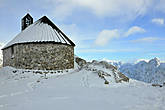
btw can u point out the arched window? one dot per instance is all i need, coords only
(12, 52)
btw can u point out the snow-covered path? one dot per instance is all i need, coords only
(75, 91)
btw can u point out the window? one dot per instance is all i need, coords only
(12, 52)
(27, 22)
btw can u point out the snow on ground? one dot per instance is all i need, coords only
(74, 90)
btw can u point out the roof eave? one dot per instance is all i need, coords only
(38, 42)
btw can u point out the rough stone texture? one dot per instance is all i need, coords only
(44, 56)
(81, 62)
(123, 77)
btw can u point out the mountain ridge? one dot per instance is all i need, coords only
(149, 71)
(152, 71)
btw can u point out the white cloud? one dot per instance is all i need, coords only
(159, 21)
(116, 7)
(146, 39)
(105, 36)
(62, 8)
(128, 9)
(134, 30)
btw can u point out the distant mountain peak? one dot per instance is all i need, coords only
(155, 61)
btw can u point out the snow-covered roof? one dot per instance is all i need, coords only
(43, 30)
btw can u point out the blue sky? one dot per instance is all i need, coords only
(122, 30)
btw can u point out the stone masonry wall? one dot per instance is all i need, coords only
(44, 56)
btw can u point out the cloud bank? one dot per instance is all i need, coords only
(128, 9)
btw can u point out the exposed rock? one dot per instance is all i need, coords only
(81, 62)
(103, 63)
(157, 85)
(123, 77)
(103, 69)
(106, 82)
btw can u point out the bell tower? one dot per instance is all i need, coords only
(26, 21)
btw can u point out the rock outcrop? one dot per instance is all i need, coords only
(105, 71)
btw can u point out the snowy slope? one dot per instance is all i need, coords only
(151, 72)
(77, 89)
